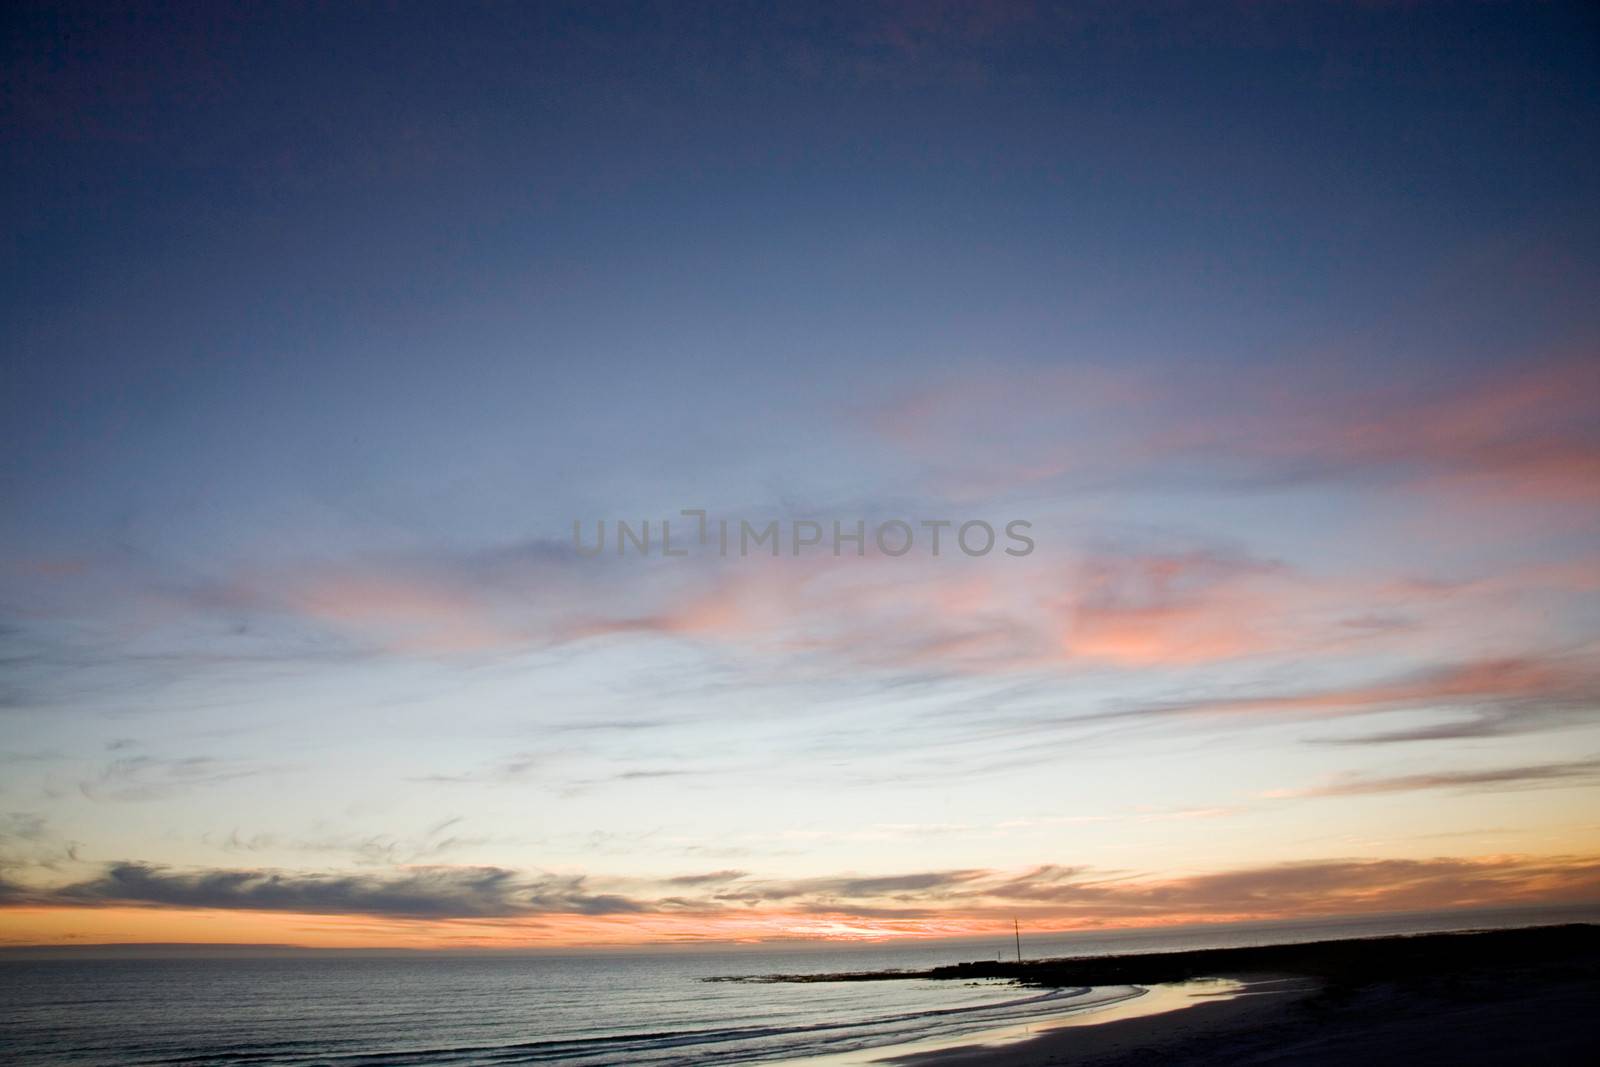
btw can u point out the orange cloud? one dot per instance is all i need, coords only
(462, 907)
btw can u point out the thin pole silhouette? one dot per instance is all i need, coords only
(1017, 930)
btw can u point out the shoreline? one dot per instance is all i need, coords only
(1466, 998)
(1548, 1023)
(1147, 1009)
(1167, 1015)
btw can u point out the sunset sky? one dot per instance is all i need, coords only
(1280, 324)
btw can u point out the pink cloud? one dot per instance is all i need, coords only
(1130, 611)
(402, 613)
(1525, 433)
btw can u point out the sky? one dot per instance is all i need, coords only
(325, 329)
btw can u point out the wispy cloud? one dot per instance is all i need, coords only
(135, 778)
(1179, 605)
(1524, 433)
(371, 850)
(1502, 696)
(708, 878)
(516, 769)
(1538, 774)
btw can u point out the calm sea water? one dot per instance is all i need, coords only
(640, 1009)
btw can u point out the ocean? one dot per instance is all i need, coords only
(651, 1008)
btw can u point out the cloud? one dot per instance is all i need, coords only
(21, 826)
(1524, 432)
(371, 850)
(1156, 602)
(26, 843)
(418, 893)
(135, 778)
(1502, 695)
(945, 901)
(516, 769)
(1319, 887)
(440, 603)
(922, 885)
(548, 770)
(709, 878)
(1496, 777)
(1174, 606)
(1175, 609)
(1126, 609)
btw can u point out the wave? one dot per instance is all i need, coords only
(721, 1044)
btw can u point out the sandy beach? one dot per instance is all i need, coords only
(1523, 997)
(1539, 1023)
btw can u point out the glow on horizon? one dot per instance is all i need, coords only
(898, 908)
